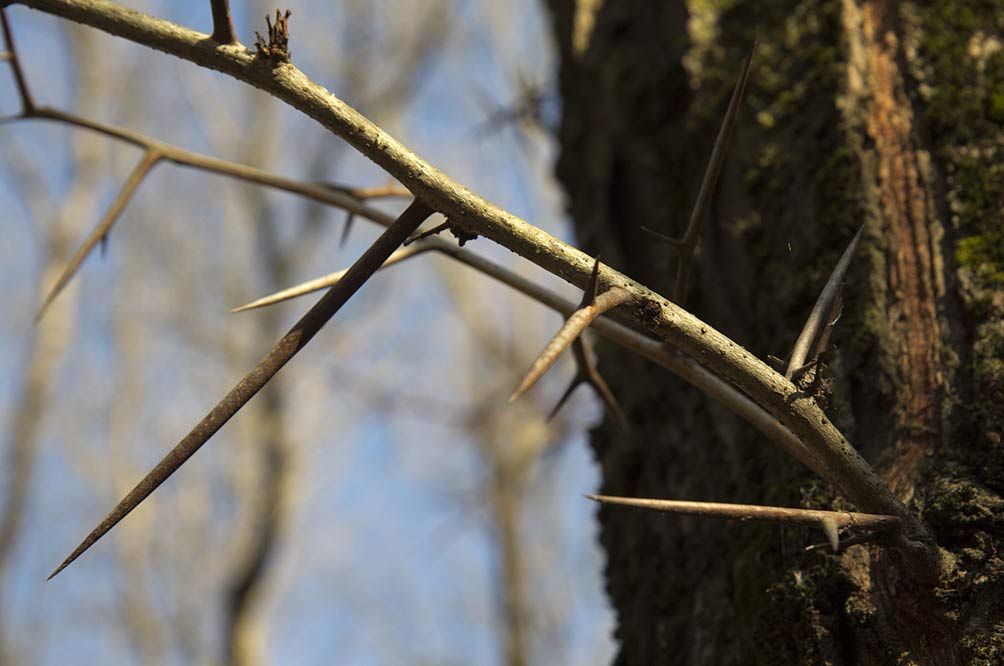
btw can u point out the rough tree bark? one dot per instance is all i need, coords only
(857, 111)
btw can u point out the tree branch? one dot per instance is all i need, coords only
(100, 232)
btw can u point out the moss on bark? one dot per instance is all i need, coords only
(804, 170)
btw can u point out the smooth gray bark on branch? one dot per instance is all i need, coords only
(465, 209)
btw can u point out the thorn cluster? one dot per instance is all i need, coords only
(569, 334)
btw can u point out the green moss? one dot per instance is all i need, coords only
(986, 253)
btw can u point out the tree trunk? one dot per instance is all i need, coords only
(883, 113)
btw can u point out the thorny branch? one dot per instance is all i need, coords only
(284, 350)
(829, 453)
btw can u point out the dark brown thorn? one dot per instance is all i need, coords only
(328, 280)
(589, 292)
(349, 219)
(663, 237)
(438, 229)
(822, 307)
(223, 25)
(104, 227)
(693, 233)
(27, 102)
(591, 375)
(814, 517)
(291, 343)
(572, 385)
(589, 309)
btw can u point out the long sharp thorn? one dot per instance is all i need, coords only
(595, 380)
(813, 517)
(711, 174)
(822, 307)
(100, 232)
(328, 280)
(291, 343)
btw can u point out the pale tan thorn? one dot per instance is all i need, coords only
(104, 227)
(328, 280)
(813, 517)
(829, 526)
(822, 307)
(566, 335)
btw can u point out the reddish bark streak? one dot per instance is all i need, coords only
(904, 197)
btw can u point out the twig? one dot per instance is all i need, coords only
(27, 103)
(100, 232)
(367, 193)
(321, 193)
(291, 343)
(689, 242)
(822, 307)
(223, 25)
(829, 521)
(591, 307)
